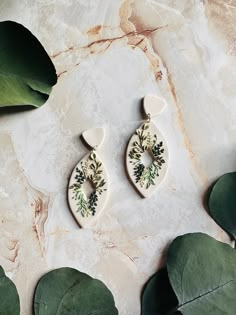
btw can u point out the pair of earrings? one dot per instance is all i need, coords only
(146, 140)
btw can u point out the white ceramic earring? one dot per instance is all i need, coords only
(147, 139)
(90, 169)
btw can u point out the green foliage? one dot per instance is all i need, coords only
(157, 151)
(202, 275)
(26, 71)
(93, 202)
(149, 175)
(96, 173)
(81, 199)
(145, 176)
(139, 168)
(80, 177)
(222, 203)
(158, 296)
(90, 170)
(9, 299)
(67, 291)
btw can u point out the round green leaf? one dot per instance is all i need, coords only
(222, 203)
(26, 71)
(67, 291)
(9, 299)
(158, 296)
(202, 273)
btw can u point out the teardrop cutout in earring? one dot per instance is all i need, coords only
(147, 140)
(90, 170)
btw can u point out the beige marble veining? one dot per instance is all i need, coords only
(108, 55)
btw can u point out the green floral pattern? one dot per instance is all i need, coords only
(145, 141)
(91, 170)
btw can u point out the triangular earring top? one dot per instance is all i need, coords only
(153, 105)
(94, 137)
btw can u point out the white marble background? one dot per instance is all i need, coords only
(108, 55)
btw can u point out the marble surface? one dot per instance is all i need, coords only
(108, 55)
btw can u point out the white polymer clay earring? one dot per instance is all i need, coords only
(85, 207)
(147, 140)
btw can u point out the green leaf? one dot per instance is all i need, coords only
(202, 273)
(222, 203)
(9, 299)
(67, 291)
(26, 71)
(158, 296)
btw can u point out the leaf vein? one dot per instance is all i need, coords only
(205, 294)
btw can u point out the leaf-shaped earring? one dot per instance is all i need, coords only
(148, 141)
(90, 171)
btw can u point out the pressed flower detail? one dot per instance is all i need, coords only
(146, 141)
(91, 170)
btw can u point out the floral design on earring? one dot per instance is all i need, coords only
(147, 139)
(92, 171)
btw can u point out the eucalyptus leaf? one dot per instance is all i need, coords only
(222, 203)
(26, 72)
(202, 273)
(9, 299)
(158, 296)
(67, 291)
